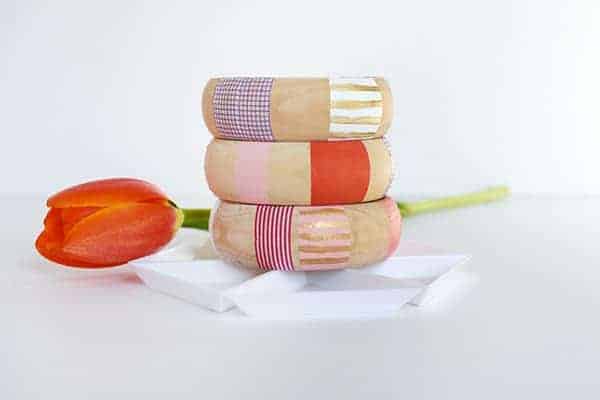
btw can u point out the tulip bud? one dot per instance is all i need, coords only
(107, 222)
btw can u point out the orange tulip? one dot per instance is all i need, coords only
(107, 222)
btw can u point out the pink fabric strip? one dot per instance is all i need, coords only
(251, 172)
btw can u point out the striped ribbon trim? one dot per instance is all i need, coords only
(273, 237)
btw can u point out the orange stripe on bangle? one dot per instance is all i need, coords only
(339, 172)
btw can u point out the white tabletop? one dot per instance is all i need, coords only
(529, 328)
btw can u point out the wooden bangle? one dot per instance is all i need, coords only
(297, 109)
(305, 238)
(309, 173)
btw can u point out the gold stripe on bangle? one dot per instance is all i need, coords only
(353, 134)
(354, 104)
(324, 249)
(325, 236)
(324, 260)
(340, 224)
(354, 88)
(356, 120)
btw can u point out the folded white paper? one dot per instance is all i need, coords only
(410, 276)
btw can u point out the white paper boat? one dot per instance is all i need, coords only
(412, 276)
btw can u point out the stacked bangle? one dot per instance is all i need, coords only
(305, 238)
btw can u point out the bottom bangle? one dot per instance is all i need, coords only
(305, 238)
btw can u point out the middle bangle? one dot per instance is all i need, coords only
(299, 173)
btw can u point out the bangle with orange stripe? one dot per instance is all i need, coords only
(269, 109)
(309, 173)
(305, 238)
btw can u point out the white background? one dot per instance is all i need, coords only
(485, 92)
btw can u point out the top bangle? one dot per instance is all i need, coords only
(297, 109)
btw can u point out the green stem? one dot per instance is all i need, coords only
(198, 217)
(445, 203)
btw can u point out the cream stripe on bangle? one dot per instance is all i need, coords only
(357, 112)
(356, 108)
(340, 94)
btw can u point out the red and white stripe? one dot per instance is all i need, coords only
(273, 237)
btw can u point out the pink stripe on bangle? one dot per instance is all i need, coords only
(251, 172)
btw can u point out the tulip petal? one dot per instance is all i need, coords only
(72, 215)
(49, 242)
(53, 224)
(118, 234)
(107, 192)
(51, 248)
